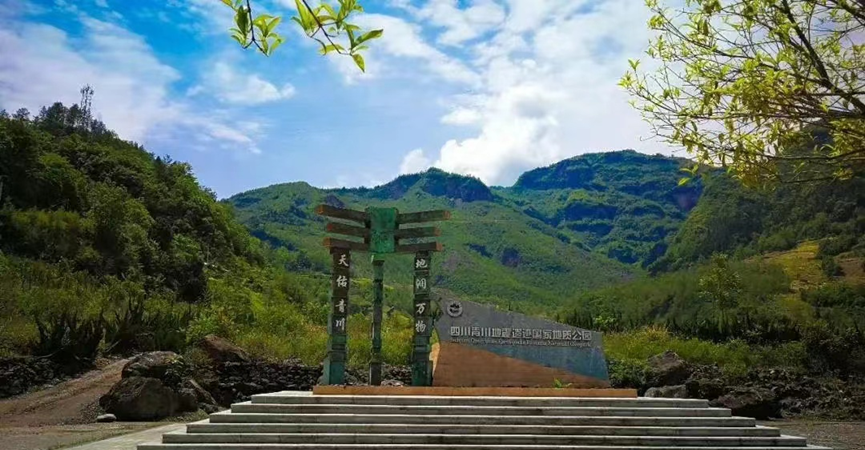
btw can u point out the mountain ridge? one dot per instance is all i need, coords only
(505, 242)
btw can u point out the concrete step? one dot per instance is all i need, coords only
(597, 420)
(164, 446)
(248, 407)
(288, 397)
(459, 428)
(481, 439)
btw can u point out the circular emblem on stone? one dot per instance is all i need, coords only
(454, 308)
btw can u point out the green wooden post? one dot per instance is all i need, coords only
(377, 302)
(421, 366)
(334, 363)
(382, 241)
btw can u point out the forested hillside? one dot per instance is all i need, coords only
(583, 223)
(574, 237)
(493, 251)
(106, 248)
(623, 204)
(733, 219)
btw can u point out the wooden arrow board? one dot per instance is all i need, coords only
(340, 213)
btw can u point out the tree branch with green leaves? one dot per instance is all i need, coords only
(747, 84)
(328, 26)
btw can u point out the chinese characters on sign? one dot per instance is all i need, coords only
(520, 336)
(521, 333)
(336, 346)
(422, 320)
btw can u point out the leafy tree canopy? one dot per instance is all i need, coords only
(740, 83)
(328, 26)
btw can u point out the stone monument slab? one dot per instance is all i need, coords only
(480, 345)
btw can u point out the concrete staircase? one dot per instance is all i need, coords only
(299, 420)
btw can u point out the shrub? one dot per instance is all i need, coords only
(68, 340)
(627, 373)
(734, 357)
(837, 245)
(154, 324)
(841, 351)
(829, 266)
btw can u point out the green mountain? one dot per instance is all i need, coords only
(735, 220)
(106, 248)
(583, 223)
(621, 204)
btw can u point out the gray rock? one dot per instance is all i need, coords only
(106, 418)
(153, 365)
(392, 383)
(140, 398)
(668, 369)
(201, 394)
(221, 350)
(186, 400)
(678, 391)
(755, 402)
(209, 409)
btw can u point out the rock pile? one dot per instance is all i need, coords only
(18, 375)
(154, 386)
(762, 393)
(231, 382)
(390, 376)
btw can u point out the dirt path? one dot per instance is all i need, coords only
(62, 415)
(837, 435)
(71, 402)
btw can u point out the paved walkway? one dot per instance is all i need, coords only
(130, 441)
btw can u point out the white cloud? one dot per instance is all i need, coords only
(414, 162)
(231, 85)
(549, 88)
(462, 116)
(218, 17)
(461, 24)
(101, 3)
(403, 41)
(133, 88)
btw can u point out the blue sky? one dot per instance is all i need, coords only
(489, 88)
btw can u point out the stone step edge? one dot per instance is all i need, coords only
(504, 410)
(779, 437)
(363, 405)
(389, 399)
(387, 436)
(161, 446)
(207, 423)
(596, 418)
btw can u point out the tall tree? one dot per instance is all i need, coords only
(744, 83)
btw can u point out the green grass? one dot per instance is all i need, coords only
(732, 357)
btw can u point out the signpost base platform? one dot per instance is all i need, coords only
(474, 391)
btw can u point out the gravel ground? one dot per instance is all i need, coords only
(838, 435)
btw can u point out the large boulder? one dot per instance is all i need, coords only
(755, 402)
(186, 400)
(221, 350)
(201, 394)
(708, 382)
(164, 366)
(678, 391)
(140, 398)
(668, 369)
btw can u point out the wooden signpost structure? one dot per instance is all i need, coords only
(382, 235)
